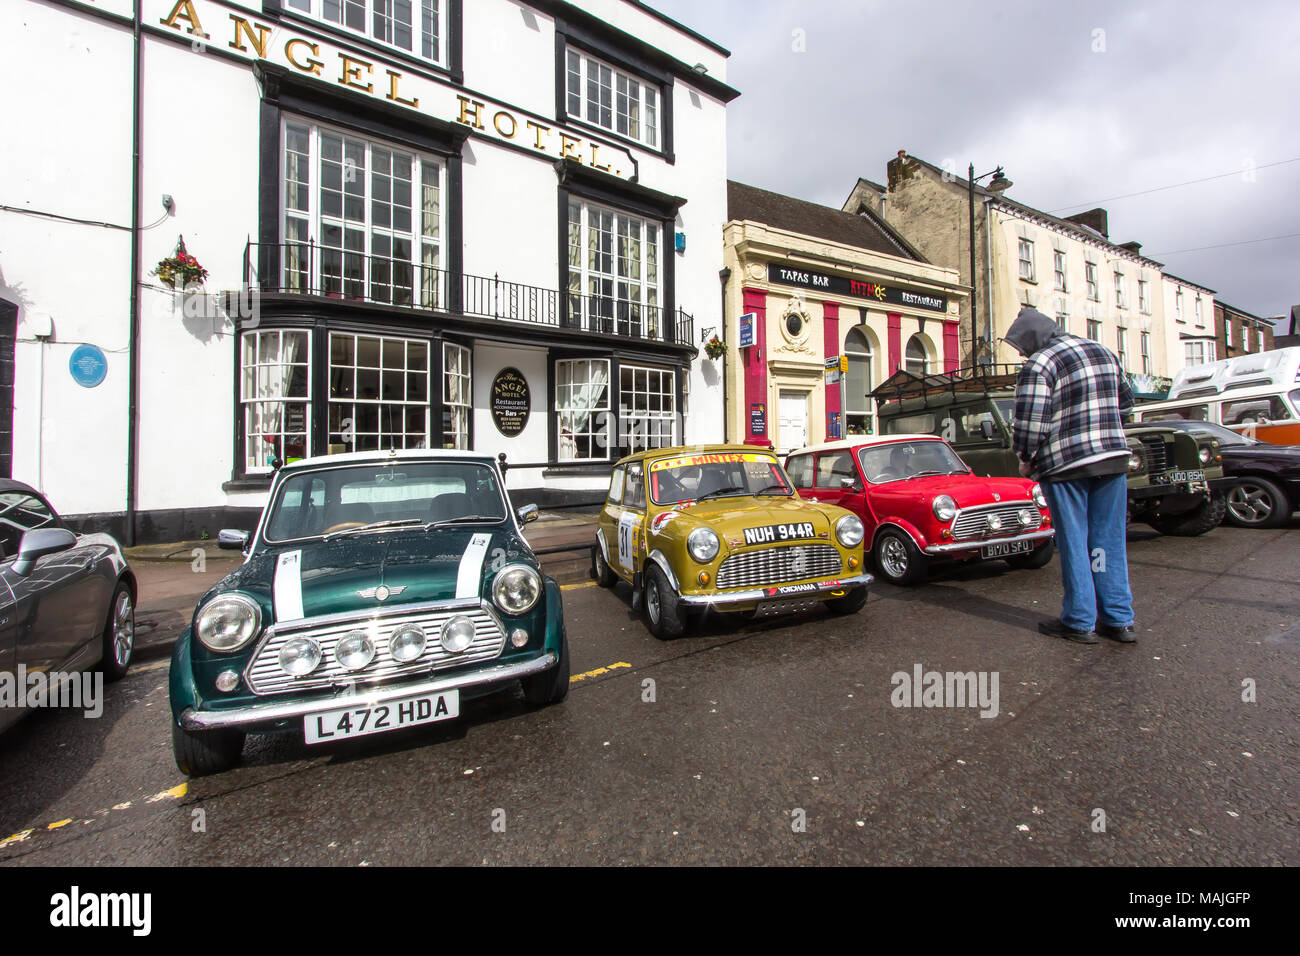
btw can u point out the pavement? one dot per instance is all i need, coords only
(771, 743)
(172, 576)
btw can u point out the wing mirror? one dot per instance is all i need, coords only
(528, 514)
(37, 544)
(229, 539)
(849, 484)
(988, 429)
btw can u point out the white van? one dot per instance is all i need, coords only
(1257, 395)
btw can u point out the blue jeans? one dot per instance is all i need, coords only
(1090, 516)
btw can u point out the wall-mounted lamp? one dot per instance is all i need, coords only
(168, 203)
(679, 242)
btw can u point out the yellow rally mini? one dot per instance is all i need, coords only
(721, 527)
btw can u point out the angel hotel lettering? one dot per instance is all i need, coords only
(319, 59)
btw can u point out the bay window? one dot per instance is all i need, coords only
(378, 392)
(361, 219)
(456, 403)
(607, 97)
(582, 407)
(415, 26)
(614, 271)
(275, 397)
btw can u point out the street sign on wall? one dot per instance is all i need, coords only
(747, 329)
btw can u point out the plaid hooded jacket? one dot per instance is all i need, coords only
(1070, 397)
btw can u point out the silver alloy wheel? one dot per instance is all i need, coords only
(893, 556)
(652, 601)
(123, 629)
(1251, 504)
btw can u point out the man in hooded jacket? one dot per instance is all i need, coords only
(1069, 434)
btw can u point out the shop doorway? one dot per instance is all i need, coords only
(793, 421)
(8, 333)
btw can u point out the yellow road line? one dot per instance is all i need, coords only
(156, 665)
(174, 793)
(597, 672)
(584, 584)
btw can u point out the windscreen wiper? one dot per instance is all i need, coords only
(466, 519)
(373, 526)
(722, 492)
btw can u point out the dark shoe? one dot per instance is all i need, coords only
(1054, 628)
(1125, 634)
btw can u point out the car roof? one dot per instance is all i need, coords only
(677, 450)
(855, 441)
(379, 457)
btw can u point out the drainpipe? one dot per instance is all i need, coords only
(988, 281)
(725, 276)
(133, 349)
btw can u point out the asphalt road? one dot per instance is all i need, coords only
(753, 731)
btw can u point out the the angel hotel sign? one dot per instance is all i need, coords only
(204, 24)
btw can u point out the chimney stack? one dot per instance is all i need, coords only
(1094, 219)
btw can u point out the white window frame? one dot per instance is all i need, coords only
(855, 341)
(1144, 297)
(1144, 343)
(361, 271)
(423, 15)
(1090, 281)
(355, 400)
(457, 394)
(1178, 306)
(1200, 316)
(1058, 268)
(623, 103)
(1094, 325)
(605, 300)
(268, 389)
(1121, 300)
(1026, 253)
(634, 436)
(567, 403)
(907, 360)
(1121, 339)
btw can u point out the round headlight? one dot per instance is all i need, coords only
(516, 589)
(1134, 462)
(407, 643)
(299, 656)
(945, 509)
(1036, 493)
(1026, 517)
(1205, 455)
(703, 545)
(355, 650)
(849, 531)
(228, 622)
(457, 634)
(995, 522)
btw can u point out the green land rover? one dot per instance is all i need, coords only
(1175, 479)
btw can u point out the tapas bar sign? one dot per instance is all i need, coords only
(511, 402)
(855, 288)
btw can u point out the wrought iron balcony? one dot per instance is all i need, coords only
(296, 268)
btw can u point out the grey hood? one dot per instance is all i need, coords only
(1030, 332)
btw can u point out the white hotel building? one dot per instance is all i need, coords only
(485, 224)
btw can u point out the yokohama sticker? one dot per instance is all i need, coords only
(799, 588)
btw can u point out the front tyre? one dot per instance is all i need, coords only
(851, 603)
(552, 686)
(1036, 559)
(1206, 516)
(207, 751)
(1257, 503)
(119, 634)
(663, 610)
(898, 559)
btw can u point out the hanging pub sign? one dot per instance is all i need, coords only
(510, 402)
(856, 288)
(746, 330)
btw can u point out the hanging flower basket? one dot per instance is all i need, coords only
(715, 348)
(180, 270)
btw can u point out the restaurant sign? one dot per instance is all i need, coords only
(511, 402)
(855, 288)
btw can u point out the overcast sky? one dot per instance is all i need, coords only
(1079, 102)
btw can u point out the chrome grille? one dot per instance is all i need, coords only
(973, 522)
(264, 675)
(1157, 453)
(779, 565)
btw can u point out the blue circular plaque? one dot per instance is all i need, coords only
(88, 365)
